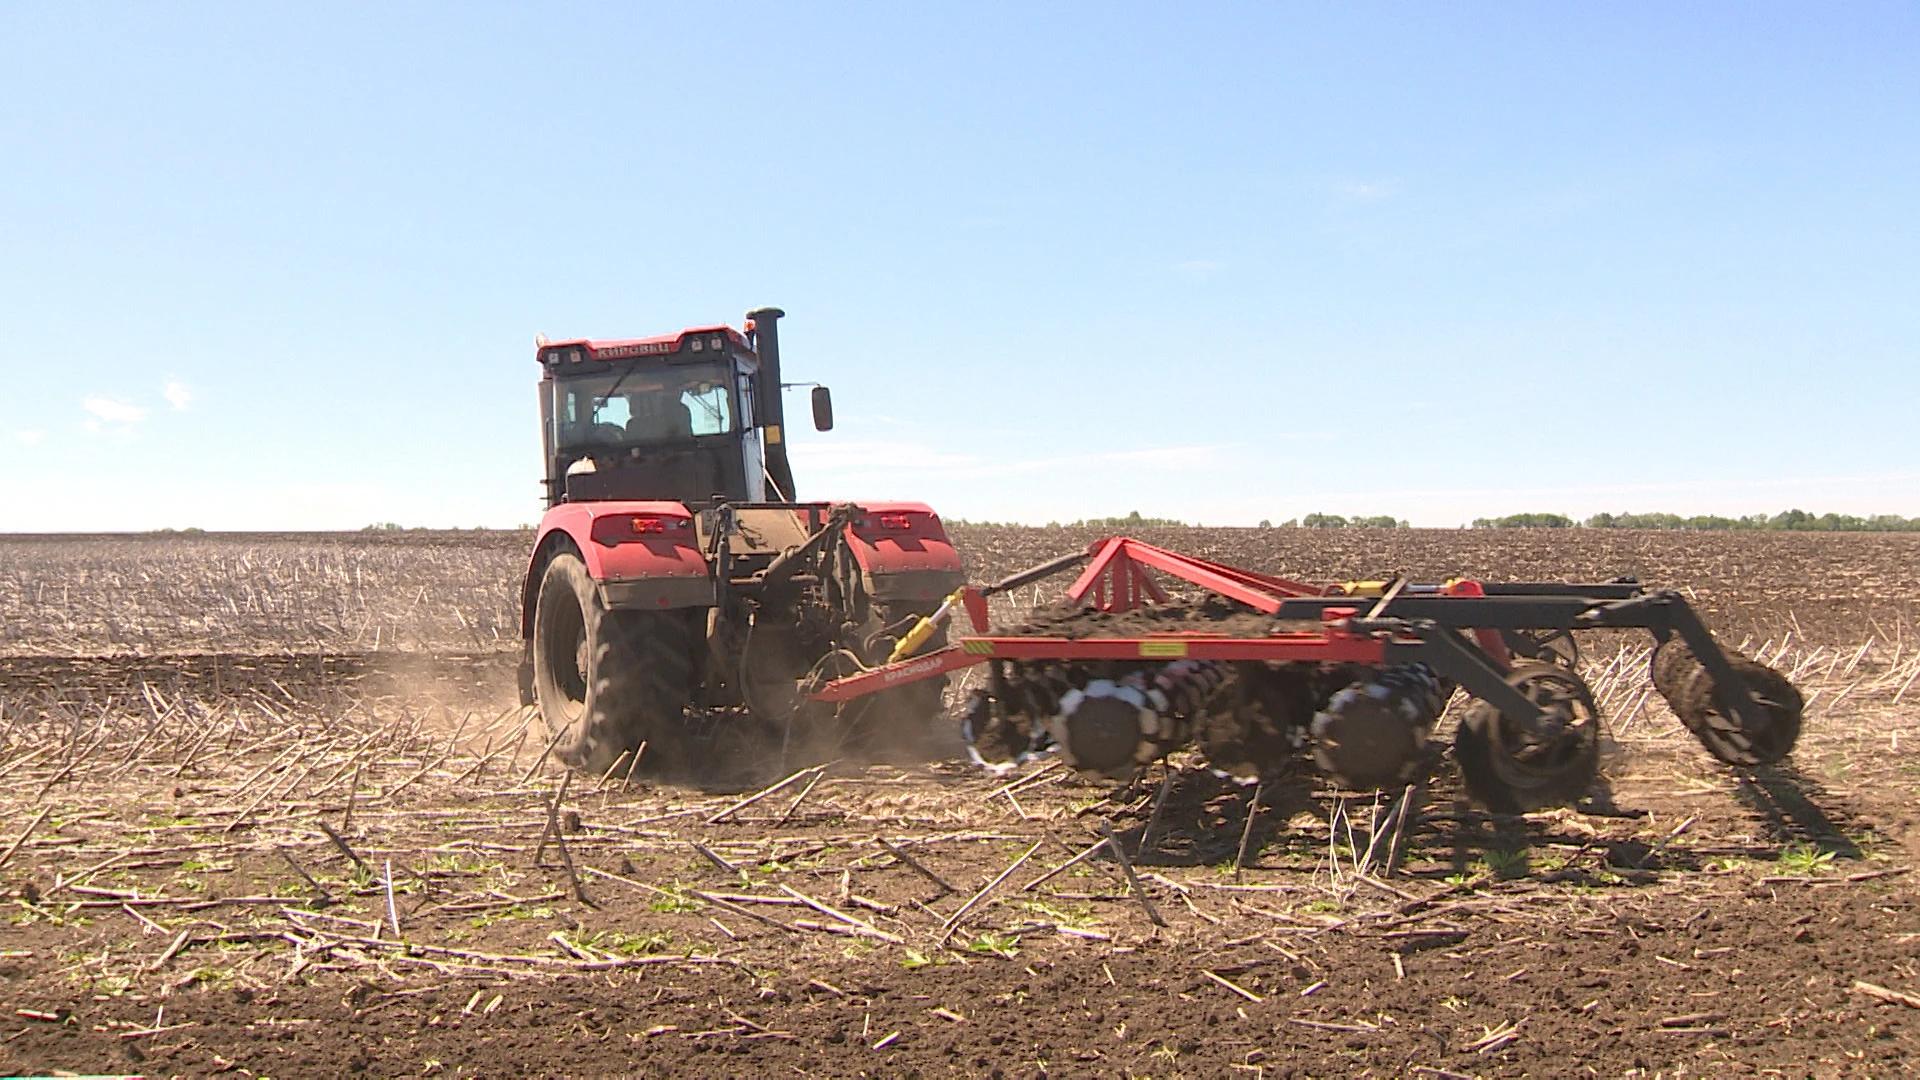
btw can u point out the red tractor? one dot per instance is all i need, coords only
(678, 589)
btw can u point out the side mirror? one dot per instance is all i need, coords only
(822, 409)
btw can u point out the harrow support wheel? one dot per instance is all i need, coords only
(1513, 768)
(1550, 647)
(606, 680)
(1690, 692)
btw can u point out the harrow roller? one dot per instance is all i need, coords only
(1717, 721)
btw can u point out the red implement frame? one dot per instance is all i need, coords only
(1332, 647)
(1118, 581)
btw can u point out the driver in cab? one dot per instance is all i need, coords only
(656, 418)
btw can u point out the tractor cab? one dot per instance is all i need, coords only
(680, 417)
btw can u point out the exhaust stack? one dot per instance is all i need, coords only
(772, 416)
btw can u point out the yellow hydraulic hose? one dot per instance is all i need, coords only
(925, 628)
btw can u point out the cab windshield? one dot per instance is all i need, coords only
(650, 404)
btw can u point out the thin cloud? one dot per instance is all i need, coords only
(114, 412)
(1367, 191)
(1777, 486)
(892, 458)
(29, 437)
(178, 395)
(880, 455)
(106, 414)
(1166, 457)
(1199, 266)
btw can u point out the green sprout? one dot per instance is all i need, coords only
(674, 900)
(1505, 865)
(1805, 859)
(1002, 945)
(614, 941)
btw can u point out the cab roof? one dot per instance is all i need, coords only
(696, 339)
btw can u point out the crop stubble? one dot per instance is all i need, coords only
(200, 718)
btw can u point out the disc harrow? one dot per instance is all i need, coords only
(1353, 674)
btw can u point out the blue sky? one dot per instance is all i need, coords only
(271, 266)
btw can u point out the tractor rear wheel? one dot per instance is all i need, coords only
(606, 680)
(1515, 768)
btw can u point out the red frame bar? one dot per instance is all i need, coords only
(1490, 640)
(912, 669)
(1334, 648)
(1309, 647)
(1117, 580)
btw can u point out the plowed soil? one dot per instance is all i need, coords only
(171, 780)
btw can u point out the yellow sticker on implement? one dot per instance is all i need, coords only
(976, 647)
(1163, 648)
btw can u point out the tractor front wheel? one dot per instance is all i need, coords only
(606, 680)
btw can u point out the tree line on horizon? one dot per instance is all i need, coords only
(1784, 521)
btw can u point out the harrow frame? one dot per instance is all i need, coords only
(1465, 631)
(1360, 671)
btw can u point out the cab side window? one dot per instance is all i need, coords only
(709, 407)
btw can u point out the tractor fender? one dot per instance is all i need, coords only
(903, 553)
(657, 569)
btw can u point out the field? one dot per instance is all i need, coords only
(268, 807)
